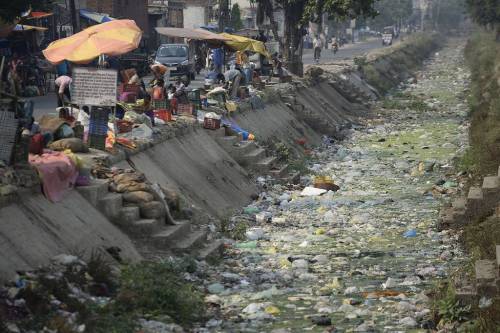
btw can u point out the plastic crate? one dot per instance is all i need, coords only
(211, 123)
(97, 141)
(98, 124)
(163, 114)
(185, 109)
(194, 97)
(160, 104)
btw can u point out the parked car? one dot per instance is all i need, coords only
(179, 58)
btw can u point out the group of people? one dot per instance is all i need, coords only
(157, 88)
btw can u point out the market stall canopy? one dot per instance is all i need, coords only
(24, 27)
(198, 34)
(96, 17)
(111, 38)
(38, 15)
(240, 43)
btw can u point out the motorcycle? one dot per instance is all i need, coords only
(335, 48)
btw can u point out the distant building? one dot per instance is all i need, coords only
(136, 10)
(196, 13)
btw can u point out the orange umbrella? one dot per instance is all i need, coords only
(111, 38)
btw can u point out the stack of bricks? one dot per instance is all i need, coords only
(480, 202)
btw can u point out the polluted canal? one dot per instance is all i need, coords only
(362, 258)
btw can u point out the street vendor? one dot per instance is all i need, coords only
(62, 84)
(160, 72)
(233, 78)
(180, 93)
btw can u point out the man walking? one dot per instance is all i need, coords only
(318, 45)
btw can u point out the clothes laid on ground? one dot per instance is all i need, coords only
(57, 171)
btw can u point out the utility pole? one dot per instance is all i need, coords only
(72, 9)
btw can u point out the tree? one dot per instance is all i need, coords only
(391, 12)
(223, 14)
(265, 8)
(299, 12)
(337, 10)
(236, 22)
(447, 14)
(486, 13)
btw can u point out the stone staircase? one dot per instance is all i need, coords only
(254, 158)
(151, 236)
(480, 202)
(486, 283)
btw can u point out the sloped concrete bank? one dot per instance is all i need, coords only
(388, 67)
(214, 173)
(33, 230)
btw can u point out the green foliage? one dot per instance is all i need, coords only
(448, 14)
(445, 306)
(157, 289)
(451, 311)
(282, 151)
(106, 320)
(360, 61)
(391, 12)
(338, 9)
(483, 57)
(485, 12)
(236, 22)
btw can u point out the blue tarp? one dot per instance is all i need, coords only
(96, 17)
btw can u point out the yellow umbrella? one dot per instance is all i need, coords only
(111, 38)
(240, 43)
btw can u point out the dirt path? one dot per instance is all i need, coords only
(362, 258)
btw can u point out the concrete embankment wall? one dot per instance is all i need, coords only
(386, 68)
(33, 230)
(197, 167)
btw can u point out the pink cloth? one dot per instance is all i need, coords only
(57, 172)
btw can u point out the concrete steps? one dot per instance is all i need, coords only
(95, 191)
(212, 251)
(251, 158)
(266, 164)
(486, 282)
(110, 205)
(279, 172)
(152, 235)
(129, 214)
(143, 228)
(189, 243)
(171, 233)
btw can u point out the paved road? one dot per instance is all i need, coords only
(47, 104)
(348, 51)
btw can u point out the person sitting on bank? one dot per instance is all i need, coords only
(62, 84)
(180, 92)
(233, 78)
